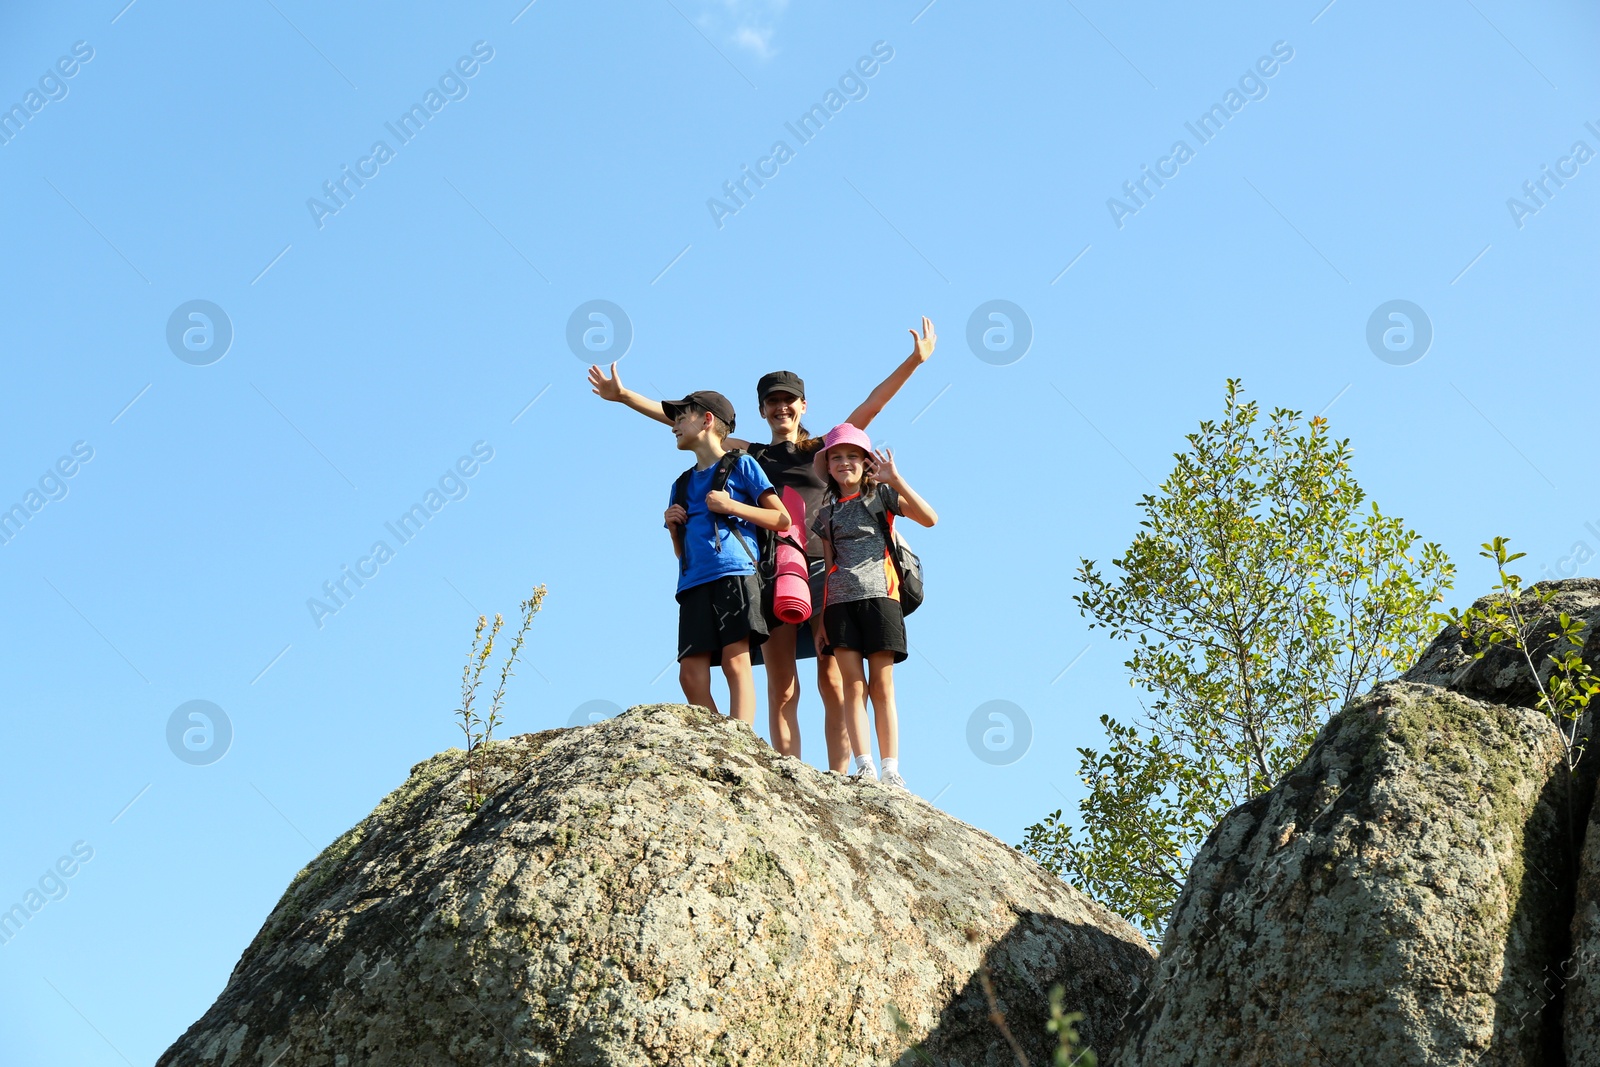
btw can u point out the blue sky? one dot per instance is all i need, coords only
(374, 347)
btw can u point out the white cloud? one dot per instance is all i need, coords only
(750, 24)
(756, 40)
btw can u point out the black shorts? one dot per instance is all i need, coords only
(819, 581)
(718, 613)
(867, 626)
(805, 647)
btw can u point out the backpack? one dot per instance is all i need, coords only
(765, 555)
(906, 564)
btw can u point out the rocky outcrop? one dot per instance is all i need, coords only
(1395, 900)
(1502, 675)
(662, 888)
(1406, 896)
(1581, 969)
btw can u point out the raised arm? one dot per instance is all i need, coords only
(921, 349)
(612, 389)
(912, 506)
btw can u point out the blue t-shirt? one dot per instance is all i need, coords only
(710, 550)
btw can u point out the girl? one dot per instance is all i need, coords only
(862, 622)
(787, 462)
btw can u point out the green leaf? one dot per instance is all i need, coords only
(1261, 593)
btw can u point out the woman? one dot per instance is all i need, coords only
(787, 461)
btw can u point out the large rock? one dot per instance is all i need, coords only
(1502, 676)
(1581, 968)
(1394, 901)
(661, 888)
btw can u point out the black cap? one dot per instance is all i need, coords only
(705, 400)
(780, 381)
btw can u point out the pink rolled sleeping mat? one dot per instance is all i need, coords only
(791, 586)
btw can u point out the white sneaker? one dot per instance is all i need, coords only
(892, 778)
(866, 774)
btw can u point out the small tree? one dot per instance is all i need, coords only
(1260, 597)
(1566, 684)
(479, 730)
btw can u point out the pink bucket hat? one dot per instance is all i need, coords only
(842, 434)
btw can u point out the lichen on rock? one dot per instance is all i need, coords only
(661, 888)
(1581, 969)
(1394, 900)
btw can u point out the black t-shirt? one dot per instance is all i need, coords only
(788, 466)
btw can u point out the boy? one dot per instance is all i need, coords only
(719, 599)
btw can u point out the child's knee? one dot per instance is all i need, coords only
(694, 672)
(736, 658)
(781, 687)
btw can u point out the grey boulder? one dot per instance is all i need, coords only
(662, 888)
(1395, 900)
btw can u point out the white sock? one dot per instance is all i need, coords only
(864, 762)
(891, 765)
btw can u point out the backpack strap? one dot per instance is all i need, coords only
(719, 482)
(680, 497)
(725, 465)
(878, 510)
